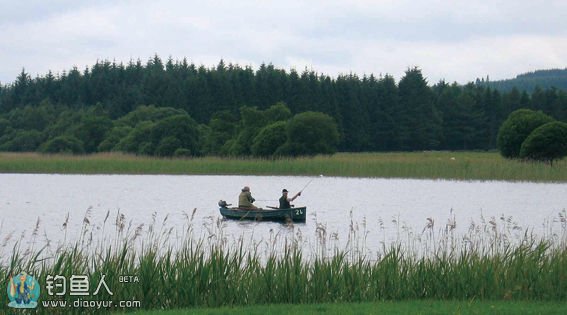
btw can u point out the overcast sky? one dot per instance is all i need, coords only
(452, 40)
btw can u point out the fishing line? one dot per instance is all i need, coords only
(320, 176)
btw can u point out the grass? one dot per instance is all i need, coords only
(413, 307)
(434, 165)
(477, 273)
(180, 270)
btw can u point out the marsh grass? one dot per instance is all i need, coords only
(179, 269)
(385, 307)
(435, 165)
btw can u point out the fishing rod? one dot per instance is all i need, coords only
(302, 189)
(306, 185)
(320, 175)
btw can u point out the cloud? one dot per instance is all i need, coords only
(454, 40)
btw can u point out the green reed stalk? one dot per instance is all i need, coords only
(435, 165)
(209, 271)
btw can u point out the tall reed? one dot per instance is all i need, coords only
(436, 165)
(178, 269)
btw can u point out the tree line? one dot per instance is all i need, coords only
(178, 108)
(540, 79)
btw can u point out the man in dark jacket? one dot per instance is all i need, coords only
(285, 200)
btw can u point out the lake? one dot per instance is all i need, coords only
(340, 211)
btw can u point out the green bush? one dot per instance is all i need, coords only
(63, 144)
(167, 146)
(133, 141)
(311, 133)
(92, 131)
(516, 128)
(171, 133)
(546, 143)
(4, 126)
(277, 112)
(22, 141)
(148, 113)
(149, 130)
(269, 139)
(182, 152)
(113, 138)
(221, 129)
(146, 148)
(252, 122)
(32, 117)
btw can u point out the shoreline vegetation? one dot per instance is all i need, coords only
(188, 271)
(384, 307)
(183, 268)
(446, 165)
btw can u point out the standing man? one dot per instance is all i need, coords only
(285, 200)
(245, 199)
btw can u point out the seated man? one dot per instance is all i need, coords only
(285, 200)
(245, 199)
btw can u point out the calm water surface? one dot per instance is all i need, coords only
(381, 210)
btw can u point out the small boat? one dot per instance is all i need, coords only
(286, 215)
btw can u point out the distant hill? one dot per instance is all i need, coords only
(545, 79)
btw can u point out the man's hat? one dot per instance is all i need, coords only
(284, 190)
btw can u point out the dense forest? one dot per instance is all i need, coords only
(531, 81)
(163, 108)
